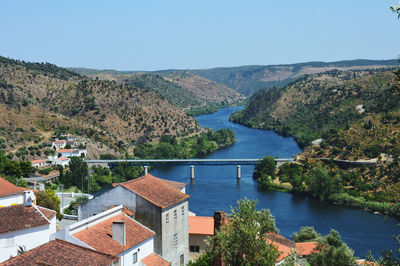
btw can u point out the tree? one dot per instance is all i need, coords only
(396, 8)
(305, 234)
(78, 171)
(264, 172)
(242, 240)
(48, 199)
(332, 251)
(321, 184)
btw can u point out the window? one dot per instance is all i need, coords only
(195, 249)
(182, 260)
(167, 218)
(183, 210)
(10, 241)
(175, 240)
(175, 214)
(135, 257)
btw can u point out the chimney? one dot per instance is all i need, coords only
(118, 232)
(219, 220)
(29, 198)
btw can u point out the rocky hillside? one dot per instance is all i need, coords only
(356, 116)
(249, 79)
(36, 99)
(190, 92)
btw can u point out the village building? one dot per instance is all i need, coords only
(39, 163)
(200, 228)
(113, 232)
(288, 248)
(24, 226)
(156, 203)
(59, 144)
(60, 253)
(61, 161)
(10, 194)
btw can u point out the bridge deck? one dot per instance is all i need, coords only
(172, 162)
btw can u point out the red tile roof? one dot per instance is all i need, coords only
(20, 217)
(99, 236)
(177, 185)
(64, 151)
(8, 189)
(63, 159)
(59, 252)
(286, 247)
(60, 141)
(155, 260)
(307, 248)
(155, 190)
(37, 161)
(200, 225)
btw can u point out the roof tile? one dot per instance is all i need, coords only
(200, 225)
(19, 217)
(7, 188)
(59, 252)
(155, 190)
(155, 260)
(99, 236)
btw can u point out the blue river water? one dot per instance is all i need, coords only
(215, 188)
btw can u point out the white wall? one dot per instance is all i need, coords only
(13, 199)
(29, 238)
(143, 249)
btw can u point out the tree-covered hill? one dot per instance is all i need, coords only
(36, 99)
(183, 89)
(357, 116)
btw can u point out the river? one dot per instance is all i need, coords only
(216, 188)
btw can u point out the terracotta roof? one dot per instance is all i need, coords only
(307, 248)
(19, 217)
(63, 159)
(200, 225)
(99, 236)
(64, 150)
(59, 252)
(37, 161)
(287, 247)
(8, 189)
(155, 190)
(59, 141)
(155, 260)
(177, 185)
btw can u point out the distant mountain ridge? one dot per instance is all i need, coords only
(249, 79)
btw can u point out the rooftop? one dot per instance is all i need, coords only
(20, 217)
(200, 225)
(64, 150)
(99, 236)
(59, 252)
(37, 161)
(156, 190)
(8, 189)
(155, 260)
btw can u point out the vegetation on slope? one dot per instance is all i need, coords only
(36, 99)
(357, 116)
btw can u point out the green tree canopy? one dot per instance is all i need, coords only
(242, 240)
(264, 172)
(48, 199)
(305, 234)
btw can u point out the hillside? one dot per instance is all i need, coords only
(357, 116)
(249, 79)
(37, 99)
(190, 92)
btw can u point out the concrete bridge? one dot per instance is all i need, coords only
(190, 162)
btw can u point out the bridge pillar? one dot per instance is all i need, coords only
(239, 175)
(146, 171)
(192, 172)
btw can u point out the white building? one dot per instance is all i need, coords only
(115, 233)
(10, 194)
(59, 161)
(39, 163)
(24, 226)
(158, 204)
(59, 144)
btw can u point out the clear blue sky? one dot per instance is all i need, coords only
(152, 35)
